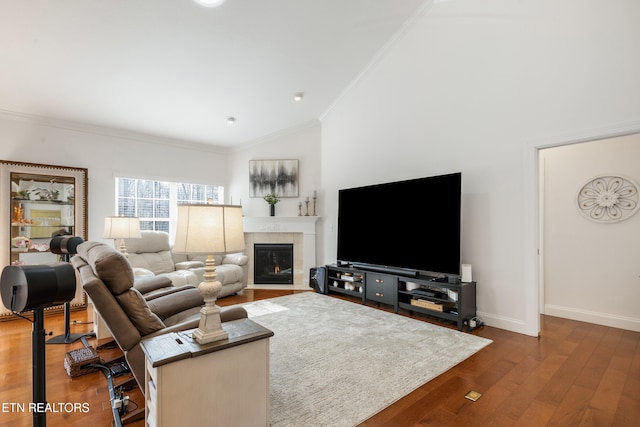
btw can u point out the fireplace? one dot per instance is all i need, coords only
(273, 263)
(300, 231)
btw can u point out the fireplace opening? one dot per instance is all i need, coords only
(273, 263)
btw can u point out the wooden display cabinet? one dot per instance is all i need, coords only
(42, 201)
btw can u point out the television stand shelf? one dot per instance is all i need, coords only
(455, 302)
(346, 280)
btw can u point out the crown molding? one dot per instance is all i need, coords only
(110, 132)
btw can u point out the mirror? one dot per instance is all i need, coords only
(42, 201)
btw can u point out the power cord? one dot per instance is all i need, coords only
(475, 323)
(122, 403)
(118, 402)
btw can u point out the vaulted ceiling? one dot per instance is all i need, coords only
(177, 70)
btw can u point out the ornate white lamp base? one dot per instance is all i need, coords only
(123, 248)
(210, 326)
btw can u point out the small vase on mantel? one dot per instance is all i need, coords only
(272, 199)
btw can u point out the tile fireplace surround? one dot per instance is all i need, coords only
(299, 230)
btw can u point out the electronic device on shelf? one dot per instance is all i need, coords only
(408, 238)
(427, 293)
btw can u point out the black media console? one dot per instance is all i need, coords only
(455, 302)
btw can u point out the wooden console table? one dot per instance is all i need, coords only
(218, 384)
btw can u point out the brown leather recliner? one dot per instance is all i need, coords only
(107, 277)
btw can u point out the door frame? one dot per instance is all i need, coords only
(534, 228)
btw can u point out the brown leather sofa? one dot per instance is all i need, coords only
(134, 310)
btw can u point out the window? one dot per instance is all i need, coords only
(155, 202)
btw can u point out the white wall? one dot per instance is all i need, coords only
(301, 143)
(106, 156)
(473, 86)
(591, 270)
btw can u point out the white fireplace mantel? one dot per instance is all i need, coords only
(280, 224)
(306, 225)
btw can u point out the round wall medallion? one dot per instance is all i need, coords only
(608, 198)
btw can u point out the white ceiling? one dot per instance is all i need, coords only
(177, 70)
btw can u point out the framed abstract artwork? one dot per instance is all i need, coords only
(279, 177)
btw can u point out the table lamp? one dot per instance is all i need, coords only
(122, 227)
(209, 229)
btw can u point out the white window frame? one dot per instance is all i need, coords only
(173, 200)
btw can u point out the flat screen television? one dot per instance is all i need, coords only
(407, 227)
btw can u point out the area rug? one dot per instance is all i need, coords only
(336, 363)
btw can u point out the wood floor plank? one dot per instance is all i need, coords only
(596, 365)
(537, 414)
(558, 385)
(522, 396)
(609, 391)
(596, 417)
(572, 407)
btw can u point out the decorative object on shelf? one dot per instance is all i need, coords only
(46, 194)
(273, 177)
(20, 242)
(315, 197)
(271, 199)
(40, 247)
(20, 193)
(608, 199)
(18, 212)
(122, 227)
(209, 229)
(465, 273)
(306, 202)
(300, 209)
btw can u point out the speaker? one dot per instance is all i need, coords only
(466, 273)
(317, 279)
(61, 245)
(29, 287)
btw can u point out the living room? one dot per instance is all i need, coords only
(476, 87)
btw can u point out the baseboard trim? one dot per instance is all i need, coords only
(605, 319)
(496, 321)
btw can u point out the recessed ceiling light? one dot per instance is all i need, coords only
(209, 3)
(298, 96)
(231, 120)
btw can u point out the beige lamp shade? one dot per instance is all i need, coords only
(209, 229)
(121, 227)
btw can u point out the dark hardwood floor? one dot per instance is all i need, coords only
(575, 373)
